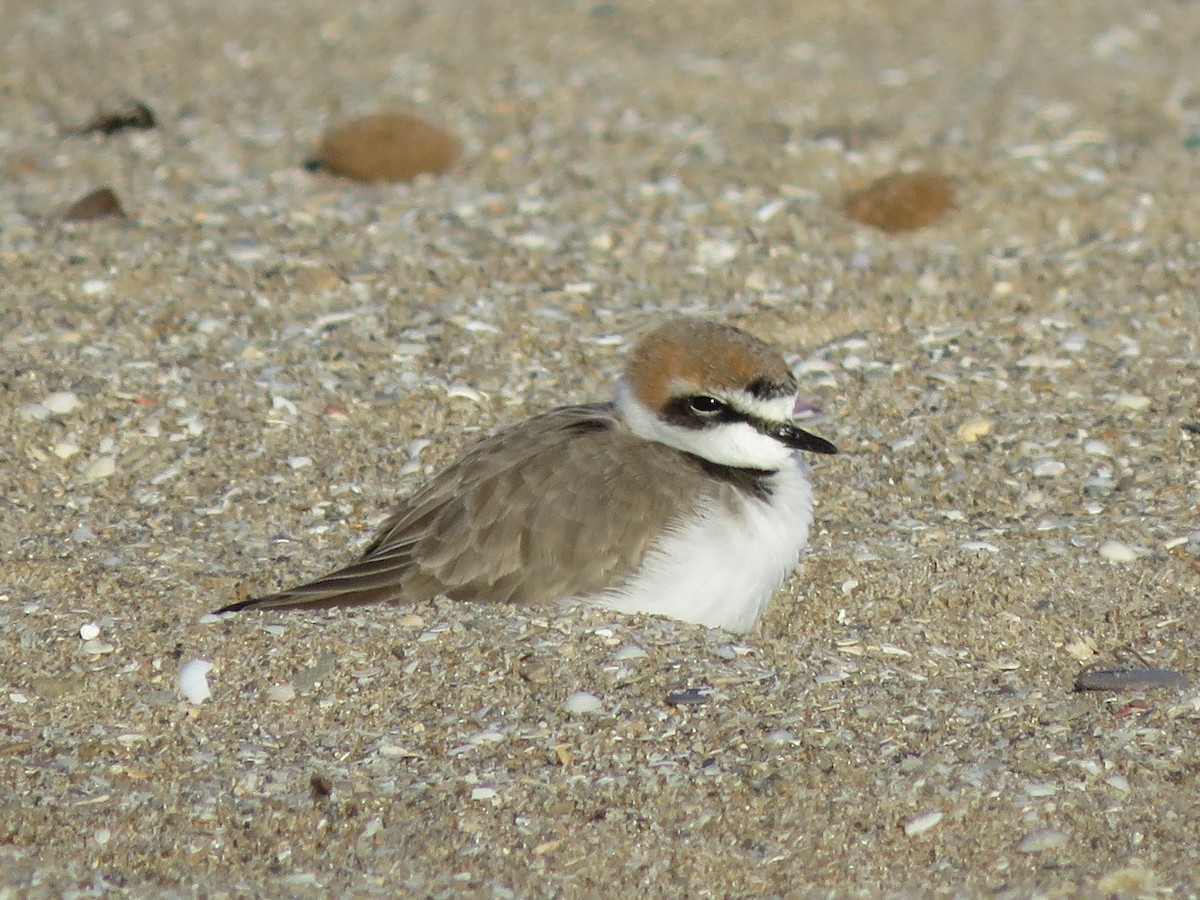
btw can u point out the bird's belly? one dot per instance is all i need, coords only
(719, 568)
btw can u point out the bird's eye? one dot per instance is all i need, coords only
(705, 406)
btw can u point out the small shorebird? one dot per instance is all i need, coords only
(686, 496)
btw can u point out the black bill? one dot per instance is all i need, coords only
(798, 438)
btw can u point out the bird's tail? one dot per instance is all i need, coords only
(371, 580)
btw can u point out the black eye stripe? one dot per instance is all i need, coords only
(679, 411)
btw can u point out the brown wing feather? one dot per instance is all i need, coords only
(459, 535)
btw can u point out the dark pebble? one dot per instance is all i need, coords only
(696, 696)
(137, 115)
(1129, 679)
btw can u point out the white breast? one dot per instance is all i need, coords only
(719, 568)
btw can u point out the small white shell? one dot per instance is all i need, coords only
(281, 693)
(1115, 551)
(193, 681)
(582, 703)
(61, 403)
(922, 823)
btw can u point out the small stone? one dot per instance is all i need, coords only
(65, 449)
(61, 403)
(1041, 789)
(582, 703)
(192, 684)
(902, 201)
(246, 251)
(628, 652)
(51, 687)
(714, 253)
(1130, 679)
(89, 632)
(696, 696)
(136, 115)
(387, 147)
(1080, 650)
(780, 736)
(92, 207)
(1130, 881)
(1115, 551)
(1048, 468)
(1131, 401)
(101, 468)
(483, 793)
(1041, 840)
(316, 280)
(972, 430)
(976, 546)
(1118, 783)
(281, 693)
(922, 823)
(1098, 484)
(395, 751)
(96, 647)
(82, 534)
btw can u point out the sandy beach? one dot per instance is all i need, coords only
(226, 391)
